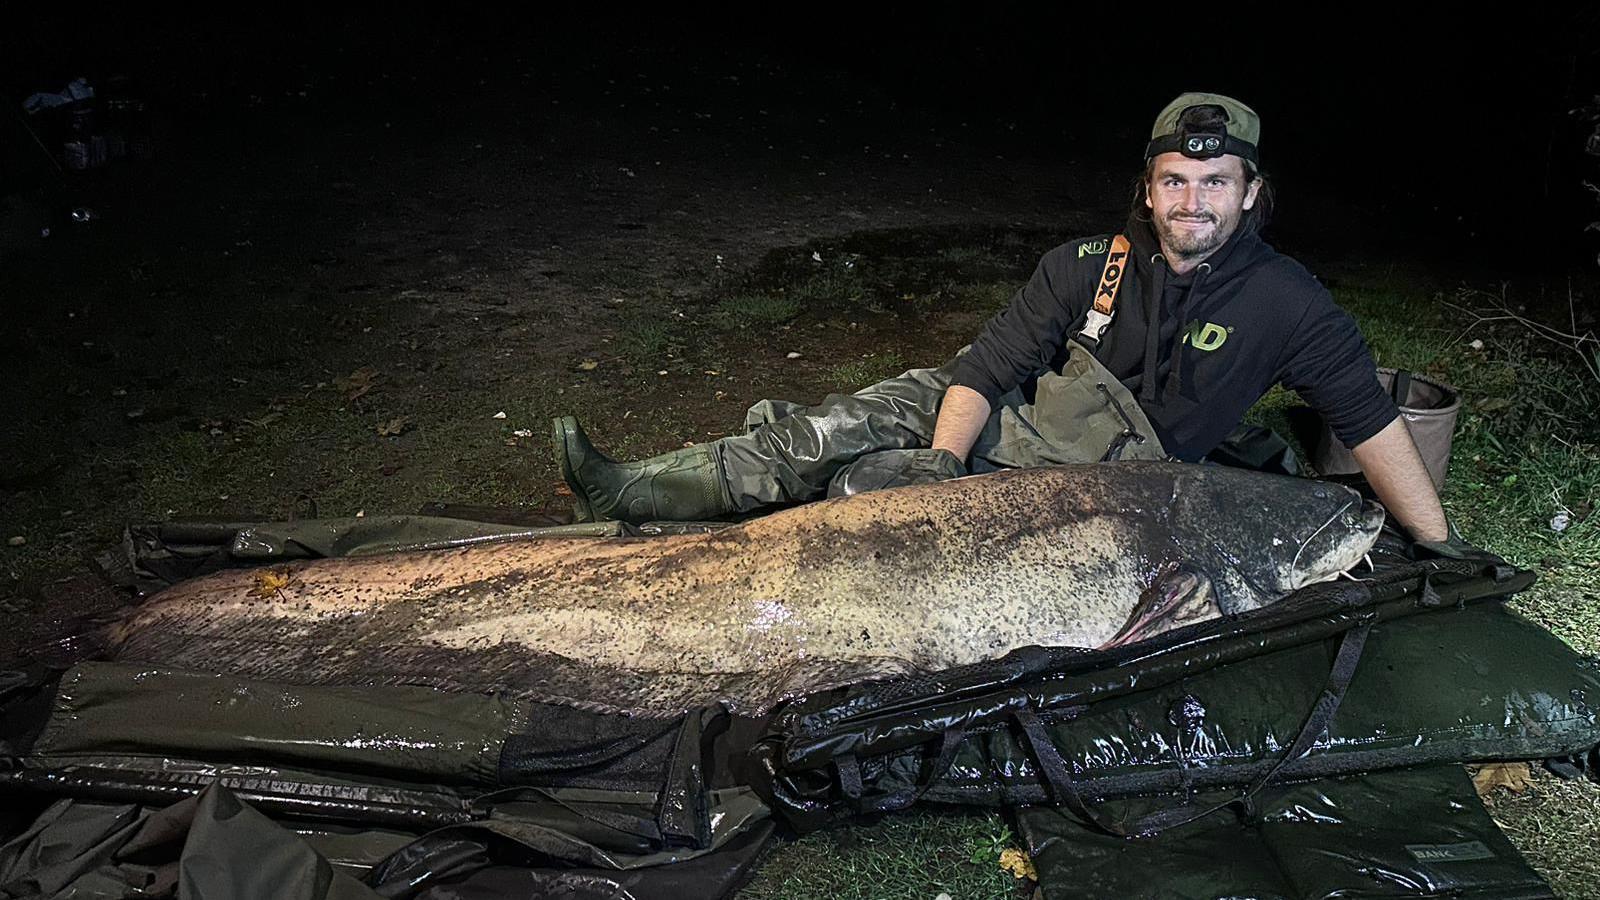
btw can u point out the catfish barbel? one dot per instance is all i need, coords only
(908, 580)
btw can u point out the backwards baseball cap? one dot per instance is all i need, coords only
(1237, 133)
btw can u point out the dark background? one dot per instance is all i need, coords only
(1458, 136)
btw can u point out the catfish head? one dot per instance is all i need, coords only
(1262, 537)
(1337, 545)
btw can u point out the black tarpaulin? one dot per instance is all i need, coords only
(1419, 832)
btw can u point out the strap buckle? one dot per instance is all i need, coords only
(1095, 326)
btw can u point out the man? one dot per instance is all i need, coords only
(1147, 345)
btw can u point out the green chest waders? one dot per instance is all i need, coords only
(1081, 414)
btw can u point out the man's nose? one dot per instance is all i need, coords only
(1191, 198)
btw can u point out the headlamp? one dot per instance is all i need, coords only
(1202, 146)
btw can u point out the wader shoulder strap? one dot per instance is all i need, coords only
(1105, 295)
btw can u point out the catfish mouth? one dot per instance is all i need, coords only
(1337, 544)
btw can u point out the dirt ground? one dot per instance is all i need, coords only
(290, 276)
(343, 302)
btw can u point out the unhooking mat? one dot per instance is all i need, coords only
(1445, 674)
(1418, 832)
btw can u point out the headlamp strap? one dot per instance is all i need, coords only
(1105, 296)
(1199, 145)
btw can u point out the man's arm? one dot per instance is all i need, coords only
(1023, 338)
(1395, 470)
(961, 417)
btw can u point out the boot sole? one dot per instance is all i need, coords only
(562, 431)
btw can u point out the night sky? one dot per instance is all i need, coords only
(1452, 134)
(1457, 144)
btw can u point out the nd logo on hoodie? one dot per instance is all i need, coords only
(1205, 336)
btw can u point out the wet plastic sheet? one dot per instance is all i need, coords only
(1433, 684)
(466, 863)
(1419, 832)
(416, 733)
(603, 792)
(208, 845)
(159, 554)
(214, 845)
(1477, 683)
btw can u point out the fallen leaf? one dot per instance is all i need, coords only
(499, 415)
(562, 490)
(1019, 864)
(271, 582)
(1514, 777)
(588, 365)
(359, 383)
(394, 426)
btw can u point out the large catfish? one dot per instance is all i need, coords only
(913, 579)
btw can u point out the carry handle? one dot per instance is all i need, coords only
(1400, 388)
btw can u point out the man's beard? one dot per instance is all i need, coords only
(1188, 244)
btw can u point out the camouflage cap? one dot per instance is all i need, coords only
(1239, 136)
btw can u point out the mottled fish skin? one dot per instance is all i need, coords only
(919, 578)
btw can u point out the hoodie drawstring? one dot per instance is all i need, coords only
(1152, 318)
(1180, 360)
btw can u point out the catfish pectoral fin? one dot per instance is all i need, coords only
(1170, 600)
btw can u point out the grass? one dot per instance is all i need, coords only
(836, 286)
(646, 341)
(1554, 824)
(917, 854)
(870, 368)
(758, 310)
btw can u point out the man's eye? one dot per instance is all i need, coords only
(1218, 183)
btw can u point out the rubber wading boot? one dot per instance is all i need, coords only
(682, 485)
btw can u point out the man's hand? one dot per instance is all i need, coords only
(961, 416)
(1455, 548)
(1395, 470)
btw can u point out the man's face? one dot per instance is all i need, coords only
(1196, 204)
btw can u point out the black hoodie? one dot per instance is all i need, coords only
(1245, 319)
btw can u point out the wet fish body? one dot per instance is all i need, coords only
(914, 579)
